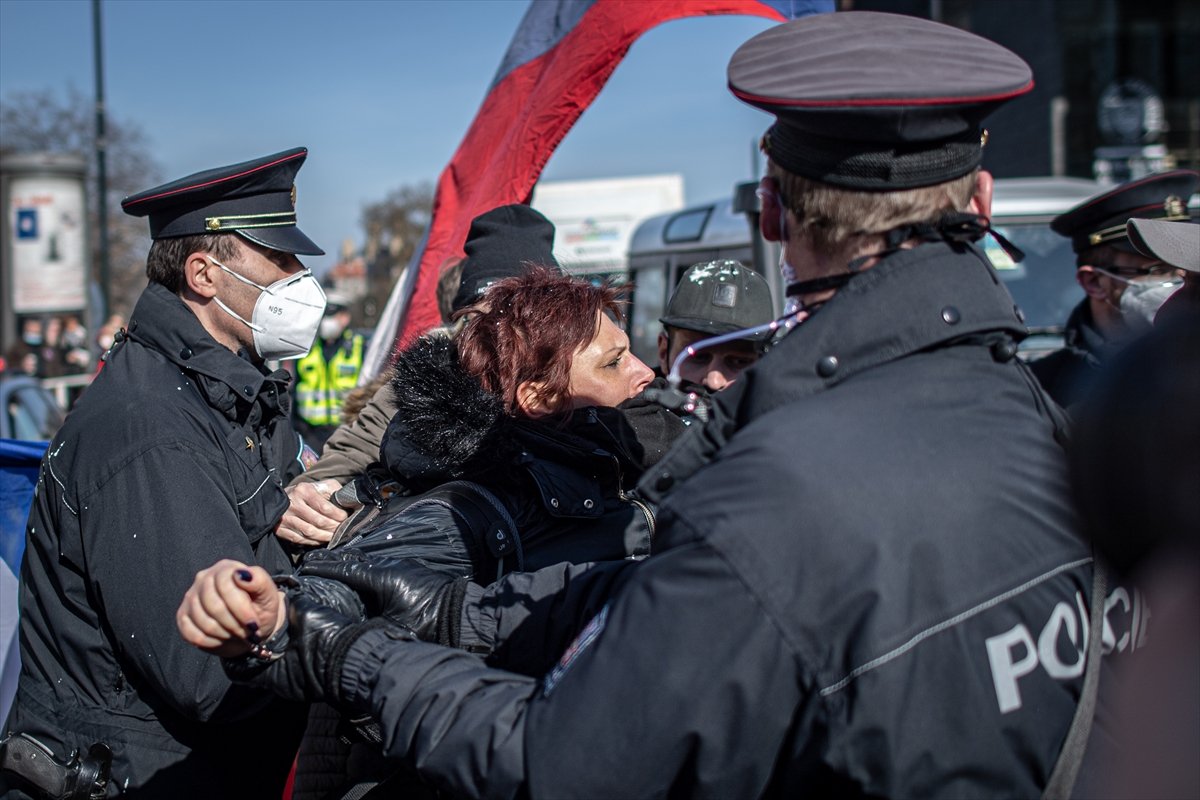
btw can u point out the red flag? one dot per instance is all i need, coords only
(560, 58)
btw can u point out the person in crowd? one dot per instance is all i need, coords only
(327, 373)
(75, 352)
(1135, 458)
(499, 244)
(175, 457)
(848, 590)
(1176, 244)
(1123, 288)
(710, 299)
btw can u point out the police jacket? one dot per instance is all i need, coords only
(173, 458)
(325, 375)
(872, 589)
(1069, 373)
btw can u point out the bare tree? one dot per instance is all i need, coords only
(394, 227)
(42, 121)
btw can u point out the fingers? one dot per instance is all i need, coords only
(311, 518)
(229, 603)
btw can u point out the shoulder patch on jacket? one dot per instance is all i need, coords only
(582, 642)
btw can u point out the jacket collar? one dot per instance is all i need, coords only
(913, 300)
(229, 381)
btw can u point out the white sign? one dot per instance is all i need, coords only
(595, 219)
(49, 248)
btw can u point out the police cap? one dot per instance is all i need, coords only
(499, 245)
(256, 199)
(1101, 219)
(718, 297)
(1174, 243)
(873, 101)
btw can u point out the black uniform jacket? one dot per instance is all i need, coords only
(875, 588)
(173, 459)
(1069, 373)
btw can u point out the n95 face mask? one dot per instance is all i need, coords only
(286, 316)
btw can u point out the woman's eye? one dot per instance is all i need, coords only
(616, 362)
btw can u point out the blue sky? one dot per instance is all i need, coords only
(380, 91)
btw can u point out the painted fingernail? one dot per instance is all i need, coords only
(244, 575)
(252, 633)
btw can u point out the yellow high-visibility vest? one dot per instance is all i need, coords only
(321, 386)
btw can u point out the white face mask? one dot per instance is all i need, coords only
(330, 328)
(1141, 300)
(286, 315)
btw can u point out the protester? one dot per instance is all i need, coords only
(714, 298)
(499, 244)
(1123, 287)
(859, 619)
(1136, 468)
(175, 457)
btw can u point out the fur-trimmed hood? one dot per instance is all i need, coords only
(445, 420)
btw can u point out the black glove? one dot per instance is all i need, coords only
(427, 602)
(309, 665)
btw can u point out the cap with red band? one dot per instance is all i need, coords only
(874, 101)
(255, 199)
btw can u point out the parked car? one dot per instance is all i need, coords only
(27, 410)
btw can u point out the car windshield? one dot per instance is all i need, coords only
(1043, 284)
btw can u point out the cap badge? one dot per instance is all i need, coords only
(293, 195)
(725, 295)
(1173, 206)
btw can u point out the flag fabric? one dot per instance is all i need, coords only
(558, 61)
(19, 462)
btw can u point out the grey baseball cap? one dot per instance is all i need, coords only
(1176, 243)
(717, 297)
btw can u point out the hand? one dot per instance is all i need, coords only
(311, 518)
(229, 607)
(310, 666)
(401, 589)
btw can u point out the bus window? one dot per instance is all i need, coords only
(687, 226)
(648, 302)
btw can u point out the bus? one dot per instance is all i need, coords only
(1043, 284)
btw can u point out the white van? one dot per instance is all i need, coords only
(1043, 285)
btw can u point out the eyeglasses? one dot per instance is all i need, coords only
(1156, 269)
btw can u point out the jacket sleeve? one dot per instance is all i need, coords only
(524, 621)
(354, 447)
(144, 543)
(681, 685)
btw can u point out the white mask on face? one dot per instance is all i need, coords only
(331, 328)
(286, 315)
(1141, 300)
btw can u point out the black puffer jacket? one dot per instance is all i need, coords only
(564, 489)
(562, 486)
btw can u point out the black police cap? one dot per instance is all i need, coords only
(1101, 219)
(873, 101)
(718, 297)
(256, 199)
(500, 243)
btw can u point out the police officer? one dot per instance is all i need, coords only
(710, 299)
(1123, 288)
(176, 455)
(327, 373)
(872, 587)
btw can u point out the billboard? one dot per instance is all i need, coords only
(48, 245)
(595, 219)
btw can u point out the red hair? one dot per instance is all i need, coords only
(529, 328)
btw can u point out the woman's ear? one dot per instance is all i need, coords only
(768, 218)
(532, 400)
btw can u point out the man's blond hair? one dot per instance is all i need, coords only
(833, 216)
